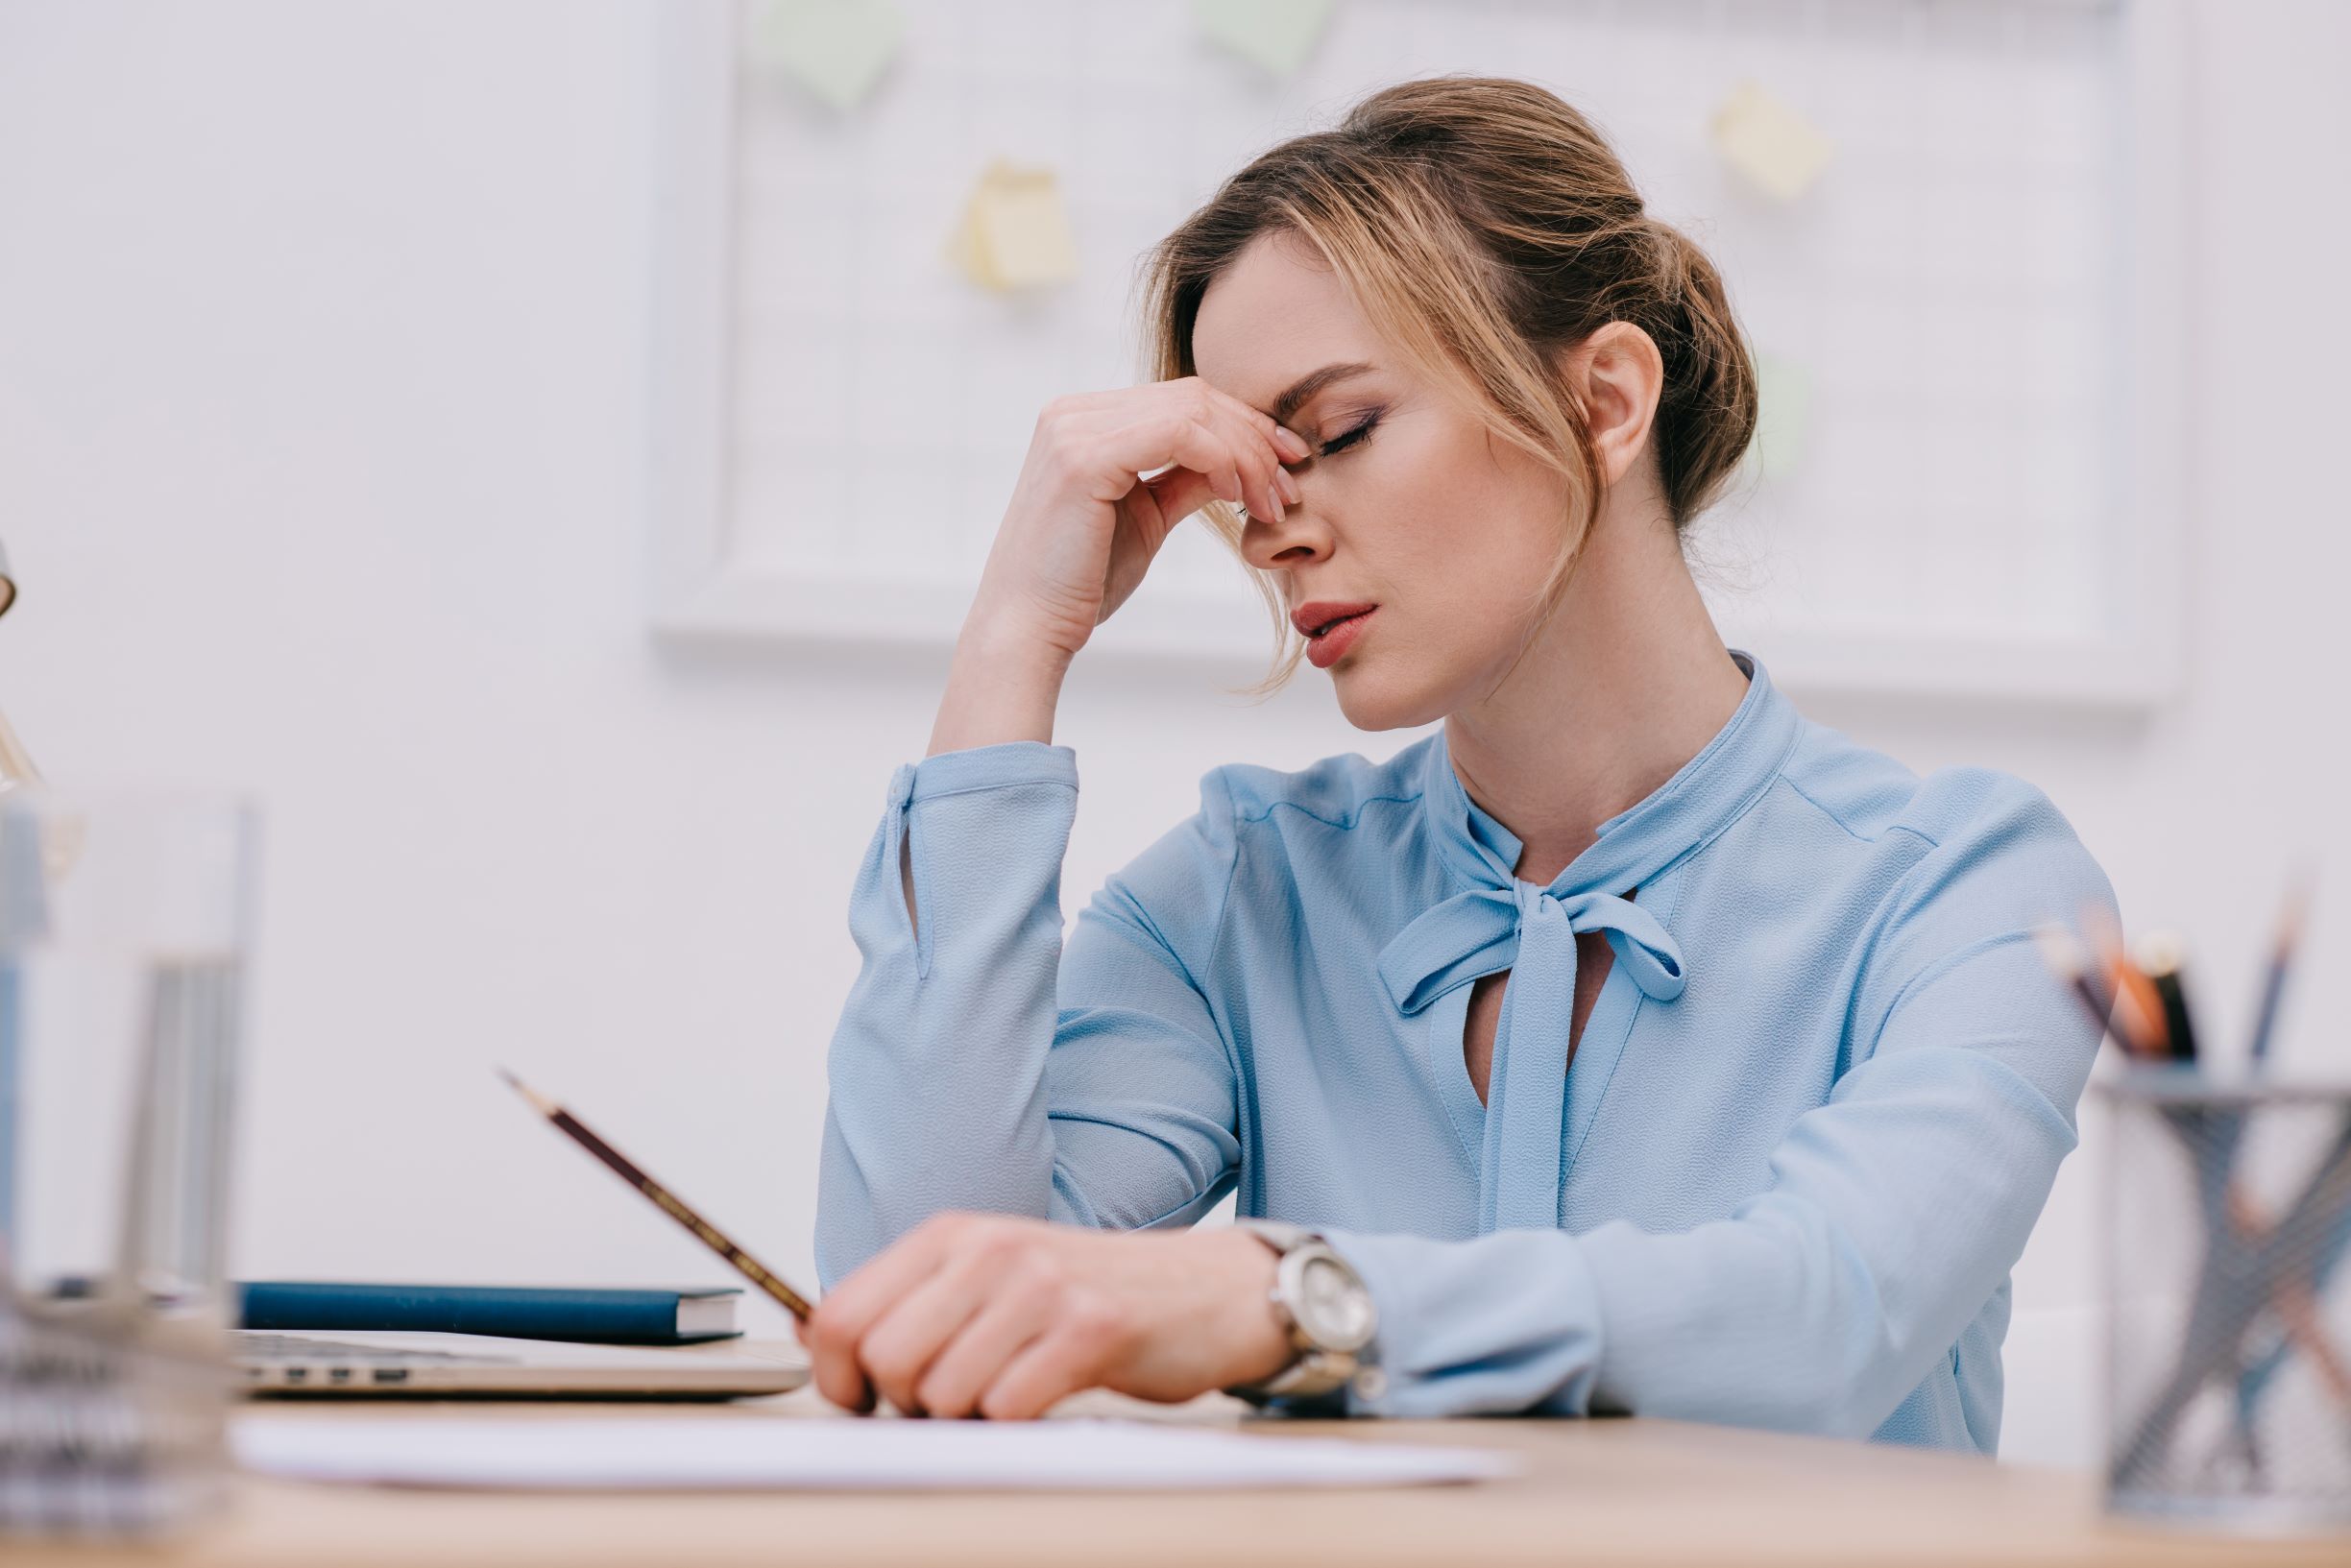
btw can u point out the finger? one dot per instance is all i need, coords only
(995, 1334)
(832, 1367)
(1191, 425)
(1253, 455)
(1181, 486)
(1255, 446)
(899, 1348)
(1061, 1362)
(1289, 446)
(1184, 436)
(843, 1318)
(1179, 492)
(1286, 444)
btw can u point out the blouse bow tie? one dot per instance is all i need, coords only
(1531, 931)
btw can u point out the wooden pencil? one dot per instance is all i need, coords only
(708, 1234)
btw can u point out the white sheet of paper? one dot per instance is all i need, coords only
(732, 1454)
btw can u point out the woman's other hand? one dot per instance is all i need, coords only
(996, 1316)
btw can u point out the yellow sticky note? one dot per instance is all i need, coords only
(1015, 231)
(1775, 147)
(1783, 397)
(1277, 34)
(837, 49)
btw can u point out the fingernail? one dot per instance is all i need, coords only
(1290, 442)
(1285, 482)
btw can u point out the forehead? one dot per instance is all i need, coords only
(1274, 314)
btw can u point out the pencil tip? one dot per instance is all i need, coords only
(539, 1102)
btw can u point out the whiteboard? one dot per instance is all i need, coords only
(1977, 299)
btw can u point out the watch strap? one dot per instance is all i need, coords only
(1314, 1371)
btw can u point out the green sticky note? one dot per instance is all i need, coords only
(1276, 34)
(1784, 396)
(837, 49)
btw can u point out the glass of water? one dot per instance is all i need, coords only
(125, 935)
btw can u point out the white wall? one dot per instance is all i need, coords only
(320, 405)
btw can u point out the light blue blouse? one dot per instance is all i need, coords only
(1816, 1109)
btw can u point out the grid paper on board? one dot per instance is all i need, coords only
(1942, 302)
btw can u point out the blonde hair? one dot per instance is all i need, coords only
(1482, 225)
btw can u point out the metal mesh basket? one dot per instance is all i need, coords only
(2228, 1210)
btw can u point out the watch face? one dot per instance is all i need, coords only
(1333, 1307)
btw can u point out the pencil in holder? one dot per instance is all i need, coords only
(2227, 1300)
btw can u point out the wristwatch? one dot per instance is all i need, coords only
(1324, 1307)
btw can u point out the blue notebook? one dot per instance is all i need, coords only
(600, 1316)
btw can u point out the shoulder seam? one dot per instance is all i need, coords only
(1232, 874)
(1368, 800)
(1847, 827)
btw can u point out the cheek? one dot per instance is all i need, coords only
(1457, 529)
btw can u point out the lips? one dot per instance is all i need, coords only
(1315, 618)
(1330, 629)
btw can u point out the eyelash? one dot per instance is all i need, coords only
(1340, 443)
(1336, 445)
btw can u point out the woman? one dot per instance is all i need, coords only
(1631, 1044)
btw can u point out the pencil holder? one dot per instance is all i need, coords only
(2228, 1305)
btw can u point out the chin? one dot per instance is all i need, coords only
(1373, 698)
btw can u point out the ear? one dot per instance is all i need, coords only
(1617, 377)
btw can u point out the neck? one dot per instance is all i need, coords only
(1627, 682)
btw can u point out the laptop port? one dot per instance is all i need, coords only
(298, 1374)
(338, 1374)
(390, 1374)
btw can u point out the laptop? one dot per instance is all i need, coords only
(346, 1364)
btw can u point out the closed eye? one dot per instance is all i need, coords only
(1340, 443)
(1330, 449)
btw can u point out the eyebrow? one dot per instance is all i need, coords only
(1314, 382)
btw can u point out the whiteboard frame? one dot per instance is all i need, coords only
(699, 593)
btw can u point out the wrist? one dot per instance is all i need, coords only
(1260, 1338)
(1325, 1312)
(1007, 643)
(1003, 684)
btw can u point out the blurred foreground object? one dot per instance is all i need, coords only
(15, 767)
(124, 929)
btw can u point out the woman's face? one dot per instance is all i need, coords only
(1408, 505)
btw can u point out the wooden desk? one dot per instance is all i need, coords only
(1595, 1493)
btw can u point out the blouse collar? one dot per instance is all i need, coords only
(1709, 793)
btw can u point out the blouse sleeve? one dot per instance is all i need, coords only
(978, 1064)
(1895, 1211)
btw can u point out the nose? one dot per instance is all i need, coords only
(1301, 539)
